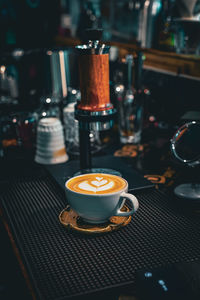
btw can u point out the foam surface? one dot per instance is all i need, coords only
(96, 183)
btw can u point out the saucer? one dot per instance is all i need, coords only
(70, 219)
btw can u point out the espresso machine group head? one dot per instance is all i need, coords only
(94, 111)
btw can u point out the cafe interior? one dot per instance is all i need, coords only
(99, 149)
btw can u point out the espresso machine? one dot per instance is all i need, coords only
(94, 111)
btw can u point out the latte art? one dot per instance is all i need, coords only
(96, 184)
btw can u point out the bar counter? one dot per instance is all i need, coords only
(183, 65)
(170, 233)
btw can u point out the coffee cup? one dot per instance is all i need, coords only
(50, 145)
(96, 197)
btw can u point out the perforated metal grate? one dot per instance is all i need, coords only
(63, 264)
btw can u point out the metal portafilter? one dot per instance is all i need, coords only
(94, 111)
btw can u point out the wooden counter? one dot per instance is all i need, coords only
(161, 61)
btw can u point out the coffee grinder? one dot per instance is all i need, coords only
(94, 111)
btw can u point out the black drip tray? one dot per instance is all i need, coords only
(63, 264)
(136, 181)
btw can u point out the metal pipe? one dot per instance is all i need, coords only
(85, 149)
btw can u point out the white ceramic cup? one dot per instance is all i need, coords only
(98, 208)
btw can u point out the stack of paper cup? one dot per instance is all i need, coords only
(50, 146)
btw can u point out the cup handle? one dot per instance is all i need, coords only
(134, 203)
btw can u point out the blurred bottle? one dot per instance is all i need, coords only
(166, 37)
(130, 104)
(18, 134)
(90, 17)
(8, 134)
(65, 19)
(8, 85)
(71, 125)
(26, 129)
(71, 128)
(148, 23)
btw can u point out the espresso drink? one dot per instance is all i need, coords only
(96, 184)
